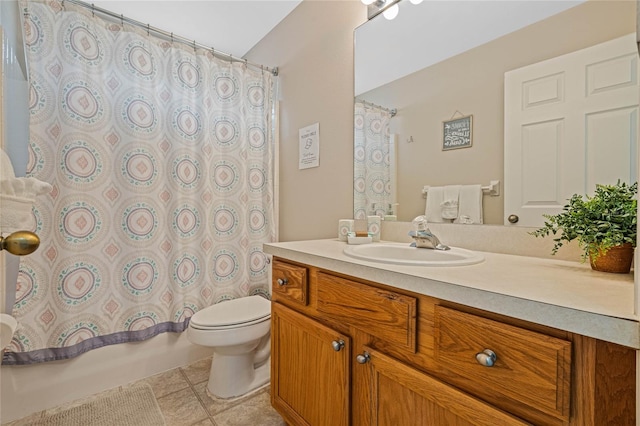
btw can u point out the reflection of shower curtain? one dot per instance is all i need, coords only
(372, 164)
(161, 160)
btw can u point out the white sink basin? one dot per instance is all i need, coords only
(404, 254)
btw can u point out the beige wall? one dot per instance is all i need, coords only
(473, 83)
(313, 49)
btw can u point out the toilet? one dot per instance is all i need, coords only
(238, 332)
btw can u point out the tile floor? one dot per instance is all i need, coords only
(182, 397)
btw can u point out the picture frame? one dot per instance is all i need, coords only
(457, 133)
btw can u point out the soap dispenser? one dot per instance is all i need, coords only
(391, 213)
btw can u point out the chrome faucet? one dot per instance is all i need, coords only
(423, 237)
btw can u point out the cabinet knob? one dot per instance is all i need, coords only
(282, 281)
(337, 345)
(363, 358)
(486, 358)
(513, 218)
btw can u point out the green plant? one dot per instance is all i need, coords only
(606, 220)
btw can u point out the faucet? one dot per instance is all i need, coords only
(423, 237)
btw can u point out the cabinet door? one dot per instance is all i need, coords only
(309, 370)
(401, 395)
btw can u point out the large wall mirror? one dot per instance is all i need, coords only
(440, 61)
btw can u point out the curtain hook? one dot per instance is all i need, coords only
(171, 38)
(246, 63)
(230, 58)
(194, 46)
(122, 20)
(93, 10)
(148, 30)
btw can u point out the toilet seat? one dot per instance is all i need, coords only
(236, 313)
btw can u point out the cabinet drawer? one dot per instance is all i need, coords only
(290, 281)
(530, 368)
(380, 313)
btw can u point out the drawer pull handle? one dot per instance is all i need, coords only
(282, 281)
(486, 358)
(337, 345)
(363, 358)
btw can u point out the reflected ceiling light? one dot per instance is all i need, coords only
(415, 1)
(367, 2)
(391, 12)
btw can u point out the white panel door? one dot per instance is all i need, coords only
(570, 122)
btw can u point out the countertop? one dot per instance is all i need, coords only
(561, 294)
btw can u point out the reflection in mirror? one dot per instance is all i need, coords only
(374, 170)
(432, 78)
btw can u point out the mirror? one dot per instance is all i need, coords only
(430, 72)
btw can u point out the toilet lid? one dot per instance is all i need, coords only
(233, 312)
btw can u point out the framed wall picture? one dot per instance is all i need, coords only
(457, 133)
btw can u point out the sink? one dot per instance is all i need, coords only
(404, 254)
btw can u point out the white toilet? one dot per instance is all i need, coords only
(238, 332)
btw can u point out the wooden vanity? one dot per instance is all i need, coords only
(353, 351)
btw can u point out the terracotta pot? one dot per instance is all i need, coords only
(617, 259)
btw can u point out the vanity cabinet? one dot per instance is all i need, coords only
(346, 351)
(311, 373)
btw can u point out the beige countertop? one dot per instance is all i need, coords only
(561, 294)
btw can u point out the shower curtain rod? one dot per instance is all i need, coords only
(169, 35)
(392, 111)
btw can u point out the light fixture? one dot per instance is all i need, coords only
(388, 8)
(391, 12)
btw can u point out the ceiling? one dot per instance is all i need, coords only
(230, 26)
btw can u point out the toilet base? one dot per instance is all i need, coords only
(236, 398)
(235, 376)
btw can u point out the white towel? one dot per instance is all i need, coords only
(449, 207)
(433, 209)
(470, 204)
(17, 196)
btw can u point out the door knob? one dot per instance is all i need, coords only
(282, 281)
(513, 218)
(337, 345)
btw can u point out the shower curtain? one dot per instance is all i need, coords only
(372, 193)
(161, 159)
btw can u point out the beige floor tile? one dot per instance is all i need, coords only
(254, 411)
(198, 372)
(25, 421)
(182, 408)
(165, 383)
(206, 422)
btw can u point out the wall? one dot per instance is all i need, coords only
(313, 49)
(473, 83)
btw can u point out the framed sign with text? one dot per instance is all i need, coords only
(457, 133)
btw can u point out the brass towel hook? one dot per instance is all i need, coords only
(20, 243)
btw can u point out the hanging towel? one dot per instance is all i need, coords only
(470, 204)
(449, 207)
(17, 196)
(433, 210)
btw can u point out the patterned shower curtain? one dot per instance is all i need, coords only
(372, 193)
(161, 159)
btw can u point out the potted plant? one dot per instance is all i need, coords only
(605, 226)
